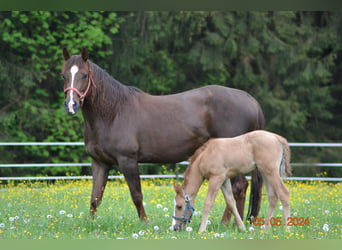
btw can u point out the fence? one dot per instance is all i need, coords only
(147, 176)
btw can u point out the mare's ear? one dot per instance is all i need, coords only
(66, 54)
(84, 54)
(177, 187)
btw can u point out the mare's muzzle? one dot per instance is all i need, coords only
(71, 107)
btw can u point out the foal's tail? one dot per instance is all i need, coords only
(285, 167)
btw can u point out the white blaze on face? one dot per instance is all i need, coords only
(174, 212)
(73, 71)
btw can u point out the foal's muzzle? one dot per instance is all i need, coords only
(183, 219)
(178, 227)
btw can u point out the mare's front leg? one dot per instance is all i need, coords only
(129, 167)
(100, 177)
(215, 183)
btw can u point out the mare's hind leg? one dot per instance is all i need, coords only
(239, 186)
(129, 167)
(278, 187)
(100, 176)
(229, 197)
(214, 186)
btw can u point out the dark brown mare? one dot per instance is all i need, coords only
(125, 126)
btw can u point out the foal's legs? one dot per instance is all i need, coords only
(229, 197)
(272, 200)
(239, 186)
(129, 167)
(277, 188)
(215, 183)
(100, 176)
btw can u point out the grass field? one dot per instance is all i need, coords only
(38, 210)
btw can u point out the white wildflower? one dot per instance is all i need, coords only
(16, 217)
(167, 216)
(217, 235)
(280, 207)
(326, 228)
(11, 219)
(141, 232)
(306, 201)
(156, 228)
(189, 229)
(49, 216)
(208, 222)
(2, 225)
(165, 209)
(159, 206)
(251, 229)
(135, 236)
(69, 215)
(62, 212)
(326, 211)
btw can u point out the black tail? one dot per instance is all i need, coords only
(255, 195)
(256, 188)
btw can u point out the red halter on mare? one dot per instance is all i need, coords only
(90, 82)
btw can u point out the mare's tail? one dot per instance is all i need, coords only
(256, 187)
(285, 167)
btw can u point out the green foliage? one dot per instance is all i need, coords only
(290, 61)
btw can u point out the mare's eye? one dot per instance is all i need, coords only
(85, 76)
(179, 207)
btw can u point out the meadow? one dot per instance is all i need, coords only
(60, 210)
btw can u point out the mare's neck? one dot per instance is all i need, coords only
(104, 100)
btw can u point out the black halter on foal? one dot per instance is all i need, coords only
(188, 206)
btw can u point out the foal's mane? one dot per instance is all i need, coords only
(192, 160)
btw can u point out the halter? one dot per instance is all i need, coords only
(188, 206)
(90, 82)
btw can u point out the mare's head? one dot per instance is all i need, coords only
(77, 80)
(183, 210)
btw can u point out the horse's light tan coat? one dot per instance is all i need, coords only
(223, 158)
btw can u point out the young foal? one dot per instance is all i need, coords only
(221, 159)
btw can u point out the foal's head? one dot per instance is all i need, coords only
(77, 80)
(183, 210)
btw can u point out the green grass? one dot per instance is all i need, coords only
(35, 211)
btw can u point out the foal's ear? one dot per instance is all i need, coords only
(66, 54)
(84, 54)
(177, 187)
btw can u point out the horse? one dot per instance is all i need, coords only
(125, 126)
(220, 159)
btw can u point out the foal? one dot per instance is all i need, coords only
(223, 158)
